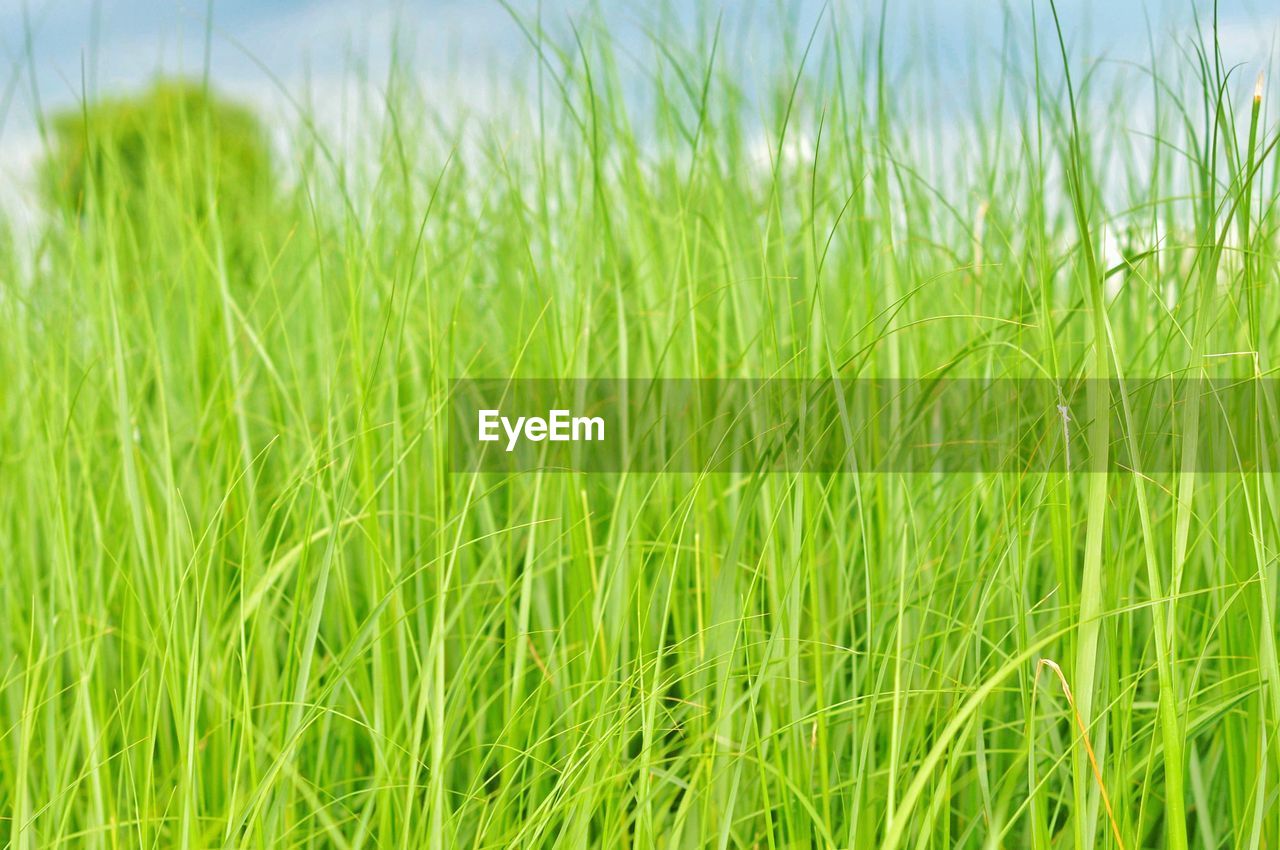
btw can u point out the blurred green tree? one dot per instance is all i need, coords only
(175, 156)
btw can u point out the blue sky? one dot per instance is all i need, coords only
(120, 44)
(465, 48)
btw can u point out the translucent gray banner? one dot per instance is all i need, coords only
(869, 425)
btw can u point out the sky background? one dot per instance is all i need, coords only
(52, 51)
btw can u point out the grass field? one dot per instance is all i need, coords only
(246, 603)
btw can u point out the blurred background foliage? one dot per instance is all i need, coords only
(176, 155)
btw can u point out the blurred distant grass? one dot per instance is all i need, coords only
(246, 604)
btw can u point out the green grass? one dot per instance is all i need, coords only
(245, 603)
